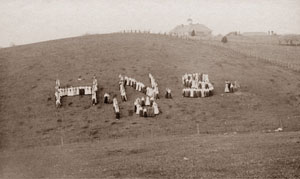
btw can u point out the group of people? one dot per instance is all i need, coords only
(73, 91)
(138, 86)
(230, 87)
(193, 80)
(127, 81)
(146, 107)
(196, 85)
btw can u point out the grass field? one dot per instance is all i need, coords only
(264, 48)
(288, 54)
(96, 145)
(258, 155)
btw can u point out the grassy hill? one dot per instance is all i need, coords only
(269, 96)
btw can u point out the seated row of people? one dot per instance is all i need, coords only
(196, 93)
(146, 107)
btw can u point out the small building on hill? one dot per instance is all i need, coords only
(199, 30)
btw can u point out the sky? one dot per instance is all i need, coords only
(29, 21)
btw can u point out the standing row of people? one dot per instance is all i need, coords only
(127, 81)
(139, 86)
(199, 77)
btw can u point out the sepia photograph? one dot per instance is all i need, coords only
(138, 89)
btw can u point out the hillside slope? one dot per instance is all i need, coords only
(268, 94)
(254, 155)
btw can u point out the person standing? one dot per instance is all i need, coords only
(156, 110)
(147, 103)
(116, 108)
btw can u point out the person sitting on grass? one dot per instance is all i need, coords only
(106, 98)
(168, 93)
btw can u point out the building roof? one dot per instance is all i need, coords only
(189, 28)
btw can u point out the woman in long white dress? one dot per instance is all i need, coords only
(156, 110)
(226, 90)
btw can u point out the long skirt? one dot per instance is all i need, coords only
(202, 94)
(195, 94)
(145, 114)
(198, 93)
(134, 85)
(141, 113)
(187, 93)
(105, 99)
(226, 90)
(231, 88)
(117, 115)
(211, 92)
(144, 90)
(192, 94)
(151, 112)
(206, 93)
(166, 95)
